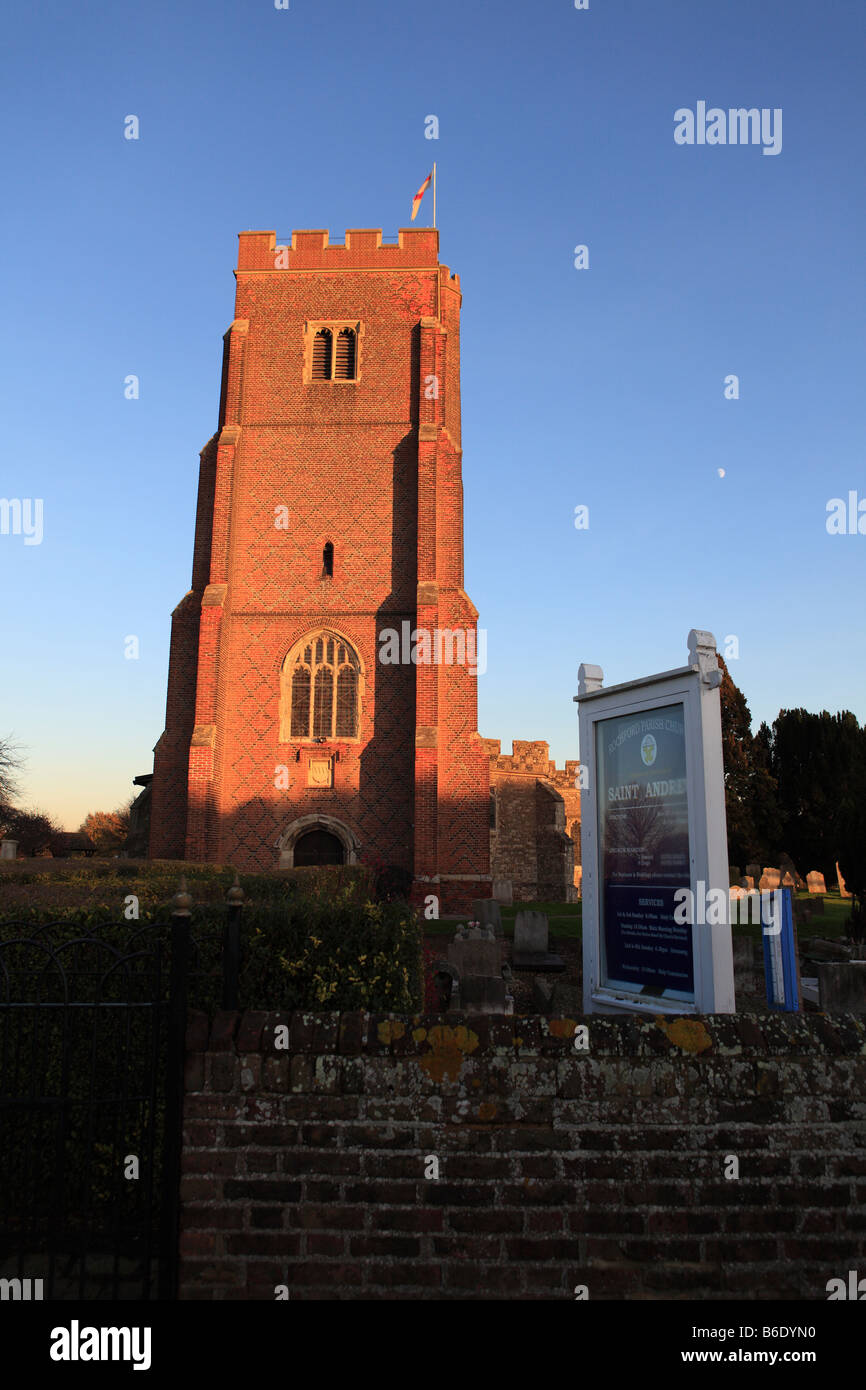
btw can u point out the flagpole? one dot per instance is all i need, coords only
(434, 192)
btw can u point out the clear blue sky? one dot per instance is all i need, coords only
(601, 387)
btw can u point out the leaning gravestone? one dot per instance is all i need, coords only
(566, 999)
(487, 912)
(843, 891)
(815, 882)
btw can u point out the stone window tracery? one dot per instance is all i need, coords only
(320, 689)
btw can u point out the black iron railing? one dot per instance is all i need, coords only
(92, 1030)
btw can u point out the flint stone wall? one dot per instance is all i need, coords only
(557, 1168)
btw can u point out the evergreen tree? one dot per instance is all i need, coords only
(750, 790)
(816, 760)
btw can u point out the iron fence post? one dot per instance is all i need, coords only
(232, 946)
(180, 955)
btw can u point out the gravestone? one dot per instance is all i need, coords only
(486, 911)
(8, 849)
(787, 863)
(842, 987)
(503, 891)
(815, 882)
(843, 891)
(744, 965)
(483, 994)
(542, 991)
(748, 883)
(788, 880)
(734, 875)
(475, 966)
(770, 879)
(531, 932)
(753, 871)
(531, 941)
(566, 999)
(474, 951)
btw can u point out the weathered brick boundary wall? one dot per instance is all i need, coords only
(557, 1168)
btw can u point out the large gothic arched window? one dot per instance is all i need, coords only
(320, 689)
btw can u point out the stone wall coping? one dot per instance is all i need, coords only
(697, 1036)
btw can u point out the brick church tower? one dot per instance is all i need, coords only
(329, 551)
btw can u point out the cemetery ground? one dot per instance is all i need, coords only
(97, 890)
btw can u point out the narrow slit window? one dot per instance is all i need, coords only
(328, 561)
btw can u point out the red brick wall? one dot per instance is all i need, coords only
(373, 467)
(604, 1168)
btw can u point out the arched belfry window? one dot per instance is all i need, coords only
(322, 345)
(320, 689)
(344, 364)
(332, 350)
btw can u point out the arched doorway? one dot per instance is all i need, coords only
(318, 847)
(317, 839)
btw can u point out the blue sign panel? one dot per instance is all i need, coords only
(780, 956)
(644, 848)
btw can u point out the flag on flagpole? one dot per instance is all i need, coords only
(416, 201)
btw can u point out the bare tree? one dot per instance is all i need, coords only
(11, 766)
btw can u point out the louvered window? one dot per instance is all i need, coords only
(322, 355)
(334, 350)
(321, 680)
(344, 367)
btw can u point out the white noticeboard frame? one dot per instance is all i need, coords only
(698, 743)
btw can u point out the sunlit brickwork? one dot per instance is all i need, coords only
(370, 467)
